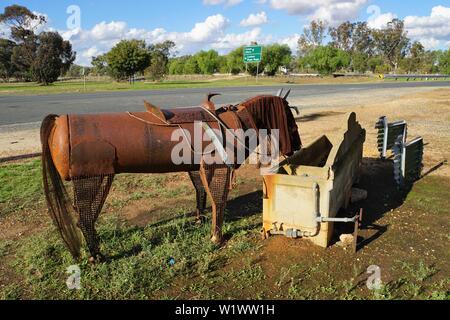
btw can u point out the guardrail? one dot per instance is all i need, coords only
(350, 74)
(304, 75)
(416, 76)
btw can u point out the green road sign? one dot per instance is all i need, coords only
(252, 54)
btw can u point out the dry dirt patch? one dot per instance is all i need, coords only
(427, 114)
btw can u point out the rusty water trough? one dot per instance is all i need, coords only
(305, 194)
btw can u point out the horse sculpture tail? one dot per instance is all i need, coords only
(59, 206)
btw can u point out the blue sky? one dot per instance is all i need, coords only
(224, 24)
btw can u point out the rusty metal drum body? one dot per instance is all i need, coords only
(87, 145)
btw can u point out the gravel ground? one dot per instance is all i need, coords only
(427, 113)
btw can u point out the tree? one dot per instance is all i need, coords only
(327, 59)
(414, 62)
(362, 39)
(54, 56)
(76, 71)
(23, 57)
(100, 65)
(21, 21)
(7, 67)
(392, 42)
(176, 65)
(222, 65)
(127, 58)
(207, 61)
(235, 61)
(342, 36)
(159, 59)
(23, 24)
(191, 66)
(444, 62)
(312, 37)
(276, 56)
(375, 63)
(430, 62)
(359, 62)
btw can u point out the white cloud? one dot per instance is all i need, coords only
(227, 3)
(91, 52)
(433, 30)
(380, 21)
(332, 11)
(206, 30)
(233, 40)
(291, 41)
(108, 31)
(255, 19)
(103, 36)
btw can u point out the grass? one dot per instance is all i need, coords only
(20, 186)
(139, 257)
(104, 86)
(99, 86)
(432, 196)
(139, 266)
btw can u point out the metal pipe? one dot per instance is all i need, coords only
(385, 138)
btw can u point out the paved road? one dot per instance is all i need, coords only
(28, 109)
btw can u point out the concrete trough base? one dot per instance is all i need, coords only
(315, 182)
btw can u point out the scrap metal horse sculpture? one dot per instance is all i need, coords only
(90, 149)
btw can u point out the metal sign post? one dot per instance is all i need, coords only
(83, 72)
(257, 72)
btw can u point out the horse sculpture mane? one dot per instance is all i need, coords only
(90, 150)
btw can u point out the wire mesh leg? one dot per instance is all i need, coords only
(200, 192)
(217, 189)
(90, 195)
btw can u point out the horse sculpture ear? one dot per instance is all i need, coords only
(208, 104)
(153, 109)
(287, 94)
(280, 92)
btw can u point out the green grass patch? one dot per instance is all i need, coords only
(20, 186)
(91, 86)
(5, 247)
(99, 86)
(139, 261)
(430, 194)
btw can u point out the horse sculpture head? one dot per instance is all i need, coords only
(274, 112)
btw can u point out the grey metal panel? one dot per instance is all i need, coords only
(388, 133)
(408, 160)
